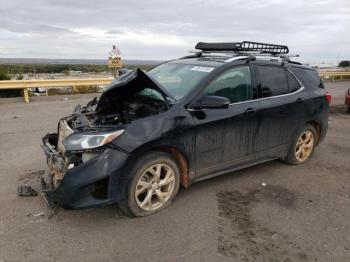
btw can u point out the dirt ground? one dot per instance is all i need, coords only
(269, 212)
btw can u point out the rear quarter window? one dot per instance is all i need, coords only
(308, 77)
(293, 83)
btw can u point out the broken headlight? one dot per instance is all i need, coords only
(83, 141)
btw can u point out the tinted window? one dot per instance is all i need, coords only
(273, 81)
(308, 77)
(293, 83)
(234, 84)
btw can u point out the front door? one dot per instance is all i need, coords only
(226, 137)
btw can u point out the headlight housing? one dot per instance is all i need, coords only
(84, 141)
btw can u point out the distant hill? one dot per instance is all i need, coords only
(72, 61)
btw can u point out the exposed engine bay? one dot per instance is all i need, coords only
(139, 105)
(133, 96)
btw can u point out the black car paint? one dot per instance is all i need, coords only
(212, 141)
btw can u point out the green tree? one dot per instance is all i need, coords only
(344, 63)
(7, 92)
(3, 75)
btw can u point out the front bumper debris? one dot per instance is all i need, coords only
(26, 191)
(56, 167)
(93, 183)
(55, 160)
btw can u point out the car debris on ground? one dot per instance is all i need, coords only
(25, 191)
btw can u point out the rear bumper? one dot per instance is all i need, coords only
(78, 186)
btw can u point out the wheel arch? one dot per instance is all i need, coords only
(317, 127)
(177, 155)
(180, 160)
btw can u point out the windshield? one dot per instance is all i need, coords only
(179, 79)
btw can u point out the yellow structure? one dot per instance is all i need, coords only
(334, 74)
(25, 84)
(115, 62)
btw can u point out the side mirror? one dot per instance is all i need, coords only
(211, 102)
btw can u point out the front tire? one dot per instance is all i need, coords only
(302, 147)
(153, 183)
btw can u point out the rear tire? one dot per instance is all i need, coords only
(152, 184)
(302, 146)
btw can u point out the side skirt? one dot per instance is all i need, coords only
(239, 167)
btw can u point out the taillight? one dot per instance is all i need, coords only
(328, 98)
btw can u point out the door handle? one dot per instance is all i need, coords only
(250, 111)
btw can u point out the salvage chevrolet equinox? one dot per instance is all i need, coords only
(225, 107)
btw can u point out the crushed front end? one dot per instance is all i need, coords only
(82, 178)
(84, 160)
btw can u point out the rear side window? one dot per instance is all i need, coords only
(273, 81)
(308, 77)
(293, 83)
(234, 84)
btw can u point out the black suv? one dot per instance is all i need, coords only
(227, 106)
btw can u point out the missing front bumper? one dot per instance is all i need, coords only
(93, 183)
(56, 169)
(55, 161)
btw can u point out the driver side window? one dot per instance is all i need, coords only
(234, 84)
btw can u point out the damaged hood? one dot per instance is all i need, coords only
(131, 82)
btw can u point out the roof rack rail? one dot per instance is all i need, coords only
(245, 46)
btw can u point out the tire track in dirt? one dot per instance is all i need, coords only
(240, 237)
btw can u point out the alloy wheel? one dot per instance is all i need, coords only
(304, 146)
(154, 187)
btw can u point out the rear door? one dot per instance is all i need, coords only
(225, 137)
(281, 109)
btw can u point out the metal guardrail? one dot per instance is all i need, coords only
(25, 84)
(337, 73)
(334, 74)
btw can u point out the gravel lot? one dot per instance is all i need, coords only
(301, 214)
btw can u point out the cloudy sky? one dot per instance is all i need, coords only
(319, 30)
